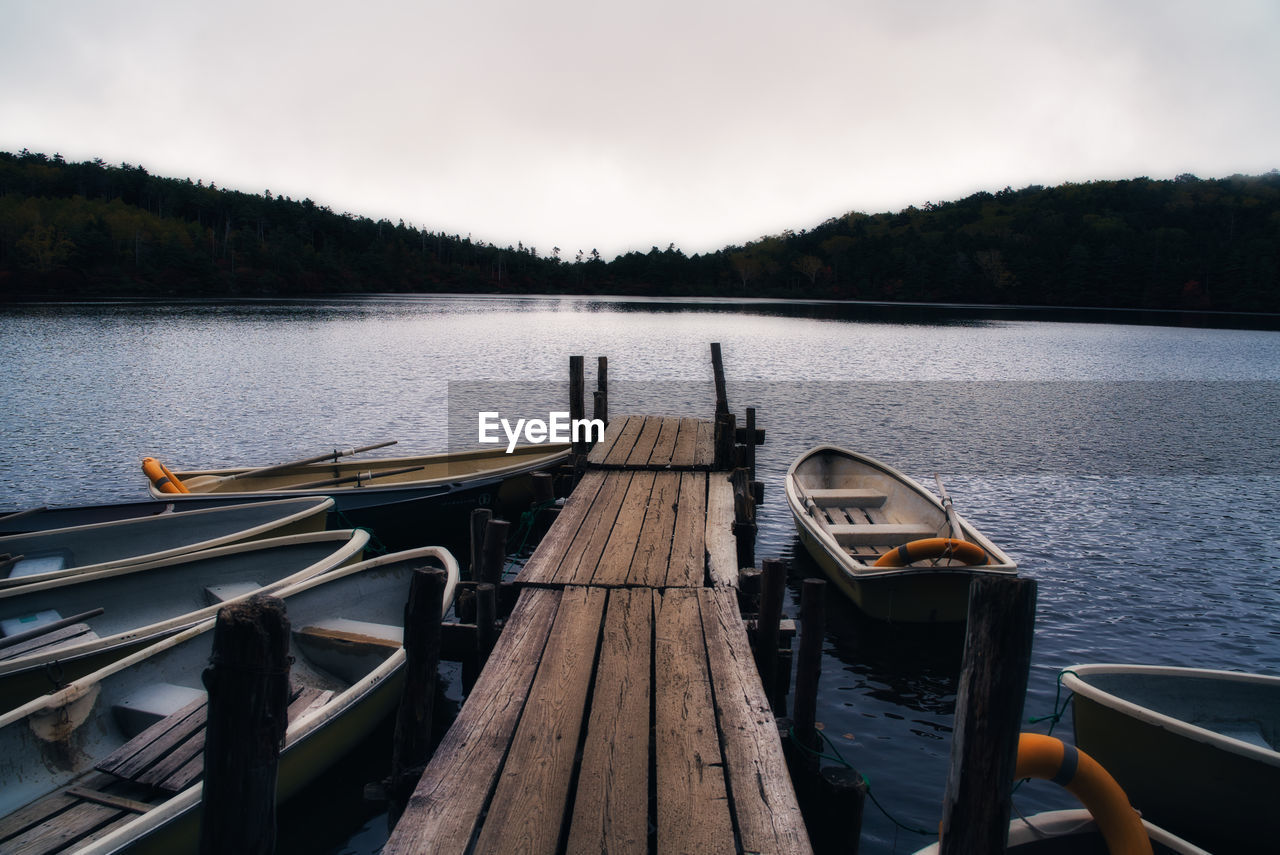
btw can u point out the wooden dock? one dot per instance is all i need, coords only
(620, 710)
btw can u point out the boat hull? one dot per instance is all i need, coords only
(1073, 832)
(1220, 793)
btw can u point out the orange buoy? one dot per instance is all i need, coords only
(1052, 759)
(933, 547)
(161, 478)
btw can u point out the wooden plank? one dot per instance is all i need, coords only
(665, 445)
(53, 638)
(653, 547)
(693, 808)
(34, 813)
(626, 441)
(307, 700)
(101, 798)
(580, 560)
(615, 560)
(764, 801)
(602, 448)
(173, 770)
(528, 808)
(688, 564)
(139, 753)
(722, 549)
(445, 809)
(686, 443)
(62, 830)
(611, 811)
(887, 534)
(852, 497)
(704, 452)
(643, 450)
(542, 566)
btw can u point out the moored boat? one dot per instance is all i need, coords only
(57, 553)
(1198, 750)
(55, 631)
(896, 550)
(49, 517)
(391, 495)
(94, 744)
(1075, 832)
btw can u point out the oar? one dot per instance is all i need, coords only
(947, 506)
(17, 515)
(19, 637)
(319, 458)
(368, 475)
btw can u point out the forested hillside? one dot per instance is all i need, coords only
(93, 230)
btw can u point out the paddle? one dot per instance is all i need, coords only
(320, 458)
(367, 475)
(952, 523)
(52, 626)
(17, 515)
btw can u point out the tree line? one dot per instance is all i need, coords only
(93, 230)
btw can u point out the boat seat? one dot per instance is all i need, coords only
(25, 623)
(30, 565)
(149, 704)
(880, 534)
(216, 594)
(347, 648)
(847, 498)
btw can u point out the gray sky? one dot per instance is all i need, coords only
(589, 123)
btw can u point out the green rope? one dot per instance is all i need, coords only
(1059, 705)
(836, 757)
(375, 545)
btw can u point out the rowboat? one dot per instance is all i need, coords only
(55, 631)
(57, 553)
(45, 518)
(391, 495)
(895, 549)
(112, 762)
(1197, 750)
(1061, 832)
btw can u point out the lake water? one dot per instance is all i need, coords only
(1130, 469)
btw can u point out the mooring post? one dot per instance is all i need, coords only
(480, 518)
(993, 684)
(600, 398)
(577, 403)
(725, 450)
(773, 586)
(750, 455)
(717, 368)
(493, 555)
(544, 497)
(744, 518)
(842, 792)
(248, 685)
(813, 620)
(412, 747)
(486, 622)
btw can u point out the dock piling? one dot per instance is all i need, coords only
(717, 368)
(486, 622)
(493, 552)
(600, 398)
(248, 685)
(412, 747)
(813, 619)
(773, 585)
(577, 402)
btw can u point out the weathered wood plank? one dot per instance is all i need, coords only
(645, 442)
(542, 566)
(611, 811)
(38, 811)
(583, 555)
(764, 801)
(688, 563)
(177, 759)
(139, 753)
(53, 638)
(693, 808)
(99, 797)
(602, 448)
(704, 451)
(682, 455)
(627, 436)
(615, 560)
(722, 548)
(528, 808)
(63, 829)
(665, 445)
(445, 809)
(653, 547)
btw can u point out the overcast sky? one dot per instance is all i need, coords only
(595, 124)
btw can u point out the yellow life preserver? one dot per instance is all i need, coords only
(1052, 759)
(161, 478)
(933, 547)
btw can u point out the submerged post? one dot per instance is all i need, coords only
(725, 449)
(577, 404)
(601, 396)
(773, 584)
(744, 518)
(412, 747)
(717, 368)
(813, 620)
(248, 684)
(993, 684)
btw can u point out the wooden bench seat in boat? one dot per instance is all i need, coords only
(847, 498)
(880, 534)
(347, 648)
(217, 594)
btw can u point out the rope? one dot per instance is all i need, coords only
(1059, 705)
(375, 544)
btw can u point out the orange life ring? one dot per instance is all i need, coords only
(161, 478)
(1051, 759)
(933, 547)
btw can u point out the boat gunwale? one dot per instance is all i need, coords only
(858, 570)
(1074, 678)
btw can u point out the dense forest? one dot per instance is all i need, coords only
(96, 231)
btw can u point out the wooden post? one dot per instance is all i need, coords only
(750, 461)
(601, 395)
(486, 622)
(725, 452)
(248, 686)
(544, 498)
(577, 403)
(773, 585)
(744, 518)
(842, 793)
(480, 518)
(717, 368)
(412, 747)
(993, 684)
(493, 556)
(813, 619)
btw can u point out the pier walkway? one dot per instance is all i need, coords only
(620, 710)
